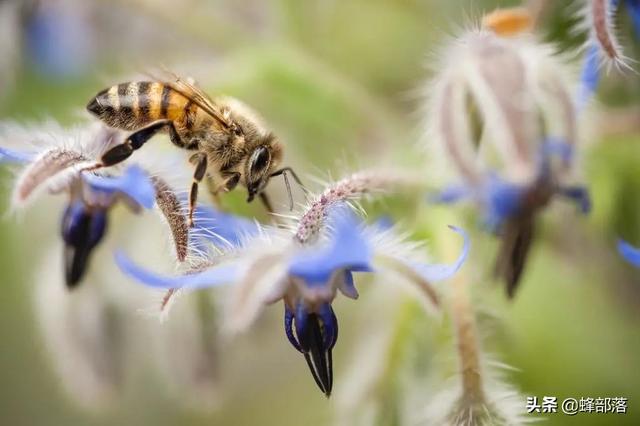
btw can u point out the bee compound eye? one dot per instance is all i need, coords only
(260, 160)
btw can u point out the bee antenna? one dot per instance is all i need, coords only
(285, 171)
(288, 185)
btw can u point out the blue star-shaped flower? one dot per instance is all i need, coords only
(311, 275)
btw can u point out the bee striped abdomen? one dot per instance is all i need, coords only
(130, 106)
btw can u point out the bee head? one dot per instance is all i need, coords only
(258, 170)
(262, 162)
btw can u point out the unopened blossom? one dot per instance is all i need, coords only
(501, 109)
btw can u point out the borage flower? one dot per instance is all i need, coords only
(55, 162)
(84, 222)
(91, 356)
(502, 112)
(307, 277)
(501, 200)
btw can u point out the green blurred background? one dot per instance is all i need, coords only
(337, 80)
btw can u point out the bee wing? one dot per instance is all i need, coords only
(191, 91)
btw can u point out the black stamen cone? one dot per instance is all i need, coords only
(76, 228)
(317, 355)
(516, 243)
(82, 230)
(75, 259)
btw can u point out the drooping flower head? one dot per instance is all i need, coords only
(306, 266)
(58, 168)
(502, 112)
(307, 279)
(86, 332)
(84, 222)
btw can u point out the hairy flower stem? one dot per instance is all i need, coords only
(352, 187)
(472, 402)
(602, 28)
(466, 342)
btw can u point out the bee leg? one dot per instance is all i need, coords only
(121, 152)
(201, 169)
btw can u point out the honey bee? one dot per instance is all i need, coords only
(231, 145)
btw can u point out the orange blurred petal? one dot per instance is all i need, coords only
(508, 22)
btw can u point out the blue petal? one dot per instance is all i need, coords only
(553, 147)
(557, 147)
(216, 276)
(288, 328)
(383, 224)
(500, 199)
(72, 218)
(580, 195)
(82, 226)
(134, 182)
(439, 272)
(629, 252)
(503, 200)
(217, 226)
(301, 317)
(11, 156)
(98, 226)
(451, 194)
(347, 249)
(347, 286)
(589, 77)
(330, 324)
(633, 7)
